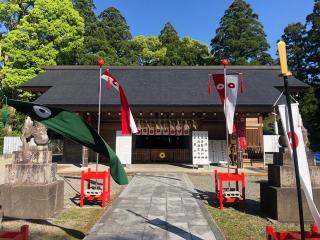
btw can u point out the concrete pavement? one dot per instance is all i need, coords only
(157, 206)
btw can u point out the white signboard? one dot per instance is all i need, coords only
(271, 143)
(124, 147)
(200, 147)
(11, 144)
(217, 151)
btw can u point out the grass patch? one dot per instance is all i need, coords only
(236, 224)
(73, 224)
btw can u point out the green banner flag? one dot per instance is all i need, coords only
(72, 126)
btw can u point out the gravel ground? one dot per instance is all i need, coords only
(205, 186)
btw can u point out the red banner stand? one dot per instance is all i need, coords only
(93, 195)
(312, 234)
(23, 234)
(230, 195)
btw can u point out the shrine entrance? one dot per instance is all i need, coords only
(161, 149)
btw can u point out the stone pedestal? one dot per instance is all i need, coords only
(31, 190)
(32, 201)
(279, 195)
(281, 203)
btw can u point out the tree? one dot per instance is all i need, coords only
(170, 39)
(295, 38)
(240, 37)
(51, 33)
(95, 44)
(193, 52)
(12, 11)
(310, 112)
(313, 54)
(116, 31)
(148, 50)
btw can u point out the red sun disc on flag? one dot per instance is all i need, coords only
(220, 86)
(295, 137)
(231, 85)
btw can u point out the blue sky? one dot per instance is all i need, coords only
(199, 19)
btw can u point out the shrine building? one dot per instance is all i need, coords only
(170, 105)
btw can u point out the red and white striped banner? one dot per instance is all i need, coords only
(127, 121)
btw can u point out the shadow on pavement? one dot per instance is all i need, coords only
(167, 227)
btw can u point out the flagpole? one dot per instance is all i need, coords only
(225, 62)
(285, 73)
(100, 62)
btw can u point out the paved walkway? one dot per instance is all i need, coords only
(157, 206)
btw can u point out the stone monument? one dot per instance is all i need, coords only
(31, 189)
(279, 195)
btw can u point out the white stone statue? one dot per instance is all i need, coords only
(33, 134)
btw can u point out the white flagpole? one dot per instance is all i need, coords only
(225, 62)
(100, 62)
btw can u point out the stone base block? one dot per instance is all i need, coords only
(30, 173)
(32, 156)
(32, 201)
(284, 176)
(282, 204)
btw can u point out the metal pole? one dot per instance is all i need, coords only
(225, 110)
(99, 113)
(295, 157)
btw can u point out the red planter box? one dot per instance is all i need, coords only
(93, 176)
(22, 235)
(312, 234)
(221, 197)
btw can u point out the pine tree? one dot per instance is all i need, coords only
(240, 37)
(313, 53)
(117, 33)
(295, 38)
(95, 43)
(170, 39)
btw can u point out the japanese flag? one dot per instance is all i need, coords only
(127, 121)
(301, 154)
(228, 99)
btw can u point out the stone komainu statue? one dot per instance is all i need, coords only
(33, 134)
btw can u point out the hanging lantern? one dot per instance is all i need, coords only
(178, 129)
(165, 130)
(186, 128)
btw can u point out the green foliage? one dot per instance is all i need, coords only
(170, 39)
(116, 31)
(313, 53)
(148, 50)
(310, 112)
(185, 51)
(295, 39)
(12, 11)
(95, 43)
(240, 37)
(303, 43)
(193, 52)
(50, 33)
(268, 125)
